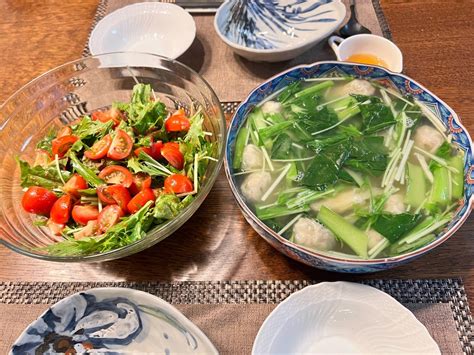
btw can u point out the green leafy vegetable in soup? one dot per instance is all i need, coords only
(347, 167)
(108, 179)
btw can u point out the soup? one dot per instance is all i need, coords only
(366, 58)
(349, 168)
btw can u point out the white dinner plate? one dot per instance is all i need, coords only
(112, 320)
(342, 318)
(151, 27)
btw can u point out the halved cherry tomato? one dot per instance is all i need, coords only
(156, 150)
(116, 174)
(172, 154)
(99, 149)
(61, 210)
(174, 145)
(113, 114)
(64, 131)
(83, 214)
(42, 158)
(121, 146)
(177, 122)
(140, 181)
(75, 183)
(62, 144)
(109, 216)
(90, 229)
(178, 184)
(114, 194)
(142, 149)
(38, 200)
(140, 199)
(55, 228)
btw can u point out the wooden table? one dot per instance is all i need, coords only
(437, 39)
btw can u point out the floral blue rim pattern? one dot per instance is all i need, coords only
(386, 78)
(258, 23)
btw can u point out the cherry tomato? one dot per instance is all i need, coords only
(142, 149)
(116, 174)
(62, 144)
(42, 158)
(114, 194)
(172, 154)
(61, 210)
(90, 229)
(99, 149)
(55, 228)
(156, 150)
(83, 214)
(64, 131)
(178, 184)
(113, 114)
(140, 182)
(109, 216)
(140, 199)
(177, 122)
(75, 183)
(38, 200)
(121, 146)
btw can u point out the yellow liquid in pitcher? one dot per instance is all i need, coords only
(366, 58)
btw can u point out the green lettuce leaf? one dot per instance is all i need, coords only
(47, 177)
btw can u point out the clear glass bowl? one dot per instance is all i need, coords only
(66, 93)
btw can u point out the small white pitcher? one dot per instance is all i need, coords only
(369, 44)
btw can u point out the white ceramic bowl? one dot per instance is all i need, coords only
(151, 27)
(342, 318)
(278, 30)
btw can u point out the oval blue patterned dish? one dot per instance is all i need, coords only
(112, 320)
(439, 113)
(278, 30)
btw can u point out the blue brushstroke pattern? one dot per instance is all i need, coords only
(246, 17)
(60, 328)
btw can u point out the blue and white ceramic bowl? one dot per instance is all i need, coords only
(112, 321)
(384, 77)
(276, 30)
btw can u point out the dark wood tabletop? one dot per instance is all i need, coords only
(437, 41)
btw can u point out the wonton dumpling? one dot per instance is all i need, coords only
(271, 107)
(343, 201)
(428, 138)
(311, 234)
(255, 185)
(357, 87)
(395, 204)
(252, 157)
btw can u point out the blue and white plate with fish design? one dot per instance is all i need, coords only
(276, 30)
(113, 321)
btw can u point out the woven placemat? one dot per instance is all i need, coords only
(447, 291)
(217, 63)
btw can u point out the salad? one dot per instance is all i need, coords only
(106, 180)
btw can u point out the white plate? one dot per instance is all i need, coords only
(113, 320)
(342, 318)
(151, 27)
